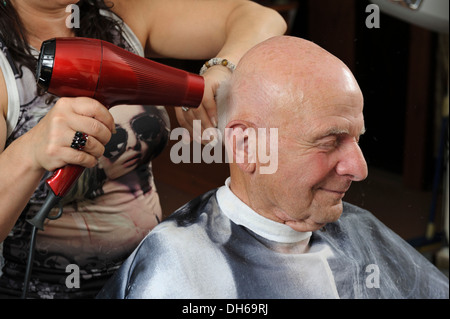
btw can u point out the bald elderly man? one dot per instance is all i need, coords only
(286, 234)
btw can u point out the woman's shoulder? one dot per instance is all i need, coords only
(137, 15)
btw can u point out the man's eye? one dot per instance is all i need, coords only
(329, 143)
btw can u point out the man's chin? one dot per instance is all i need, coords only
(305, 226)
(334, 213)
(317, 220)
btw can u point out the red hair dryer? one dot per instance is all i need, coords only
(72, 67)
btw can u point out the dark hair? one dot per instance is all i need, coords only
(92, 25)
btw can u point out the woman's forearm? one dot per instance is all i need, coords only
(247, 25)
(18, 181)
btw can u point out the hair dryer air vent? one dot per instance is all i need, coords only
(45, 64)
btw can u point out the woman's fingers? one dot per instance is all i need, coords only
(91, 108)
(53, 137)
(91, 127)
(207, 111)
(87, 143)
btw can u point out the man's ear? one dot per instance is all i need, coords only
(240, 145)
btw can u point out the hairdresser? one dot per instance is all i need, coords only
(115, 203)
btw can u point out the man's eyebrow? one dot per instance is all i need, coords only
(363, 131)
(337, 131)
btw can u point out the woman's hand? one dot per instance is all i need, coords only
(207, 111)
(52, 137)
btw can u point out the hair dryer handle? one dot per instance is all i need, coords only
(62, 179)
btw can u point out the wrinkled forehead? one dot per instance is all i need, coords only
(320, 109)
(332, 113)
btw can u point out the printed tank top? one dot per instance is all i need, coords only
(114, 205)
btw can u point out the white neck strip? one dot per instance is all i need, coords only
(241, 214)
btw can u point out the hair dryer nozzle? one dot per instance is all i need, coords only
(194, 91)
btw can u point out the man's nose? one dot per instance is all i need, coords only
(352, 163)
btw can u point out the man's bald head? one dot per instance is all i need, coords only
(280, 71)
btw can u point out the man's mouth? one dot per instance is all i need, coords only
(337, 192)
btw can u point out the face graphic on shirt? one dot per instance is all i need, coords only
(139, 133)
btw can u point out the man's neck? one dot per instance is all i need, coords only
(42, 20)
(240, 187)
(274, 234)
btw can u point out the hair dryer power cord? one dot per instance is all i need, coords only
(38, 223)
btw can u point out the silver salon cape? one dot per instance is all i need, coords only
(217, 247)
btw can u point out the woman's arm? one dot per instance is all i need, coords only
(18, 180)
(200, 29)
(46, 147)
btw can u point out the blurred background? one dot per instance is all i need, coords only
(401, 64)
